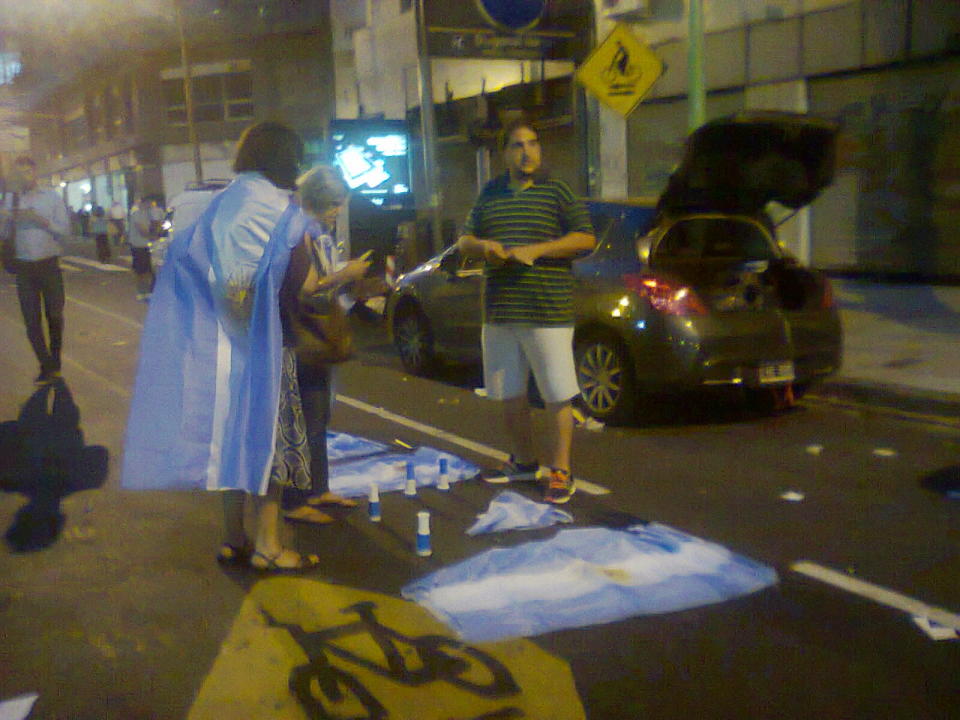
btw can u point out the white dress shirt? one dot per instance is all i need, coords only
(33, 241)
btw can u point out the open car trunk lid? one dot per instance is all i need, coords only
(739, 163)
(733, 264)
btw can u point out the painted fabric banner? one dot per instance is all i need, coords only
(512, 511)
(356, 462)
(584, 576)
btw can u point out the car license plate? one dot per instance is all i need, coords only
(776, 372)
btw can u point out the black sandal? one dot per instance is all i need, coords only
(265, 563)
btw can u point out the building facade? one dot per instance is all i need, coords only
(118, 130)
(887, 71)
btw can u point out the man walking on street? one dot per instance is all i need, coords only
(140, 236)
(528, 228)
(35, 218)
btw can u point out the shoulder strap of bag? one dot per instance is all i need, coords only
(320, 258)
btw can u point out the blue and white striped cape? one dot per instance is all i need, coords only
(204, 408)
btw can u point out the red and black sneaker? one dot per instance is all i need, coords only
(560, 487)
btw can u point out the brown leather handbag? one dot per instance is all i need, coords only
(322, 331)
(320, 324)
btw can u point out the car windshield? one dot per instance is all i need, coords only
(708, 237)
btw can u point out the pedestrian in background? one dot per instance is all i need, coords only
(216, 403)
(140, 238)
(528, 228)
(118, 219)
(36, 219)
(99, 229)
(315, 267)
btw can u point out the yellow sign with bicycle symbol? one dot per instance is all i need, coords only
(301, 649)
(620, 71)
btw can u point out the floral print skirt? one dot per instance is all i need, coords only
(291, 460)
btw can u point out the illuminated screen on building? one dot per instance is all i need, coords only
(374, 158)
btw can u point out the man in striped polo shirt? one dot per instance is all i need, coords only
(529, 228)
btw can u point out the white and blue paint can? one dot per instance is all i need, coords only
(373, 504)
(410, 489)
(423, 534)
(443, 482)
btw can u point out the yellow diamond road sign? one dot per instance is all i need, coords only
(620, 71)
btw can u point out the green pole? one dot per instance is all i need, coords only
(696, 93)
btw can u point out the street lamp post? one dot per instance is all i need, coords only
(188, 91)
(428, 130)
(696, 94)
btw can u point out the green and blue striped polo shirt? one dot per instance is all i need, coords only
(541, 294)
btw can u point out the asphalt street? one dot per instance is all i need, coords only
(111, 605)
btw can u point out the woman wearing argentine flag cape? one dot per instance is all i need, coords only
(216, 404)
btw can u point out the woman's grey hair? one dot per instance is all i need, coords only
(321, 187)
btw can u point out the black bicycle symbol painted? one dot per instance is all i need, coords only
(619, 69)
(435, 658)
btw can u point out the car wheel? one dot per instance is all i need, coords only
(414, 341)
(605, 374)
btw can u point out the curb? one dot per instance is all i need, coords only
(943, 408)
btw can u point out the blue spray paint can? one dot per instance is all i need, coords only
(443, 483)
(373, 505)
(410, 489)
(423, 534)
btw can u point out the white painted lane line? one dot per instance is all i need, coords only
(584, 485)
(118, 389)
(878, 594)
(116, 316)
(106, 267)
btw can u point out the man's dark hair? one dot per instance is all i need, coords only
(26, 160)
(512, 127)
(273, 150)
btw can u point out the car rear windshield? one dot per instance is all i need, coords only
(699, 238)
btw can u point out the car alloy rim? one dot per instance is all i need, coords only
(411, 341)
(599, 373)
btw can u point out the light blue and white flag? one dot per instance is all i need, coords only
(356, 462)
(510, 510)
(584, 576)
(204, 408)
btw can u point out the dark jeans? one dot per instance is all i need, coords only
(315, 396)
(103, 248)
(40, 289)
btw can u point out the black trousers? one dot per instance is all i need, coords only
(40, 290)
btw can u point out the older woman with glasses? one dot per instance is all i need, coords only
(315, 267)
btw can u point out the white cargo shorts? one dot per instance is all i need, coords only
(511, 351)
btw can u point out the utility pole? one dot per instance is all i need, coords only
(428, 130)
(188, 91)
(696, 93)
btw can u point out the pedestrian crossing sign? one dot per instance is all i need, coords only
(620, 70)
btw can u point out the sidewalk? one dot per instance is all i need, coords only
(901, 346)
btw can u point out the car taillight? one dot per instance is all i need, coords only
(671, 298)
(826, 300)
